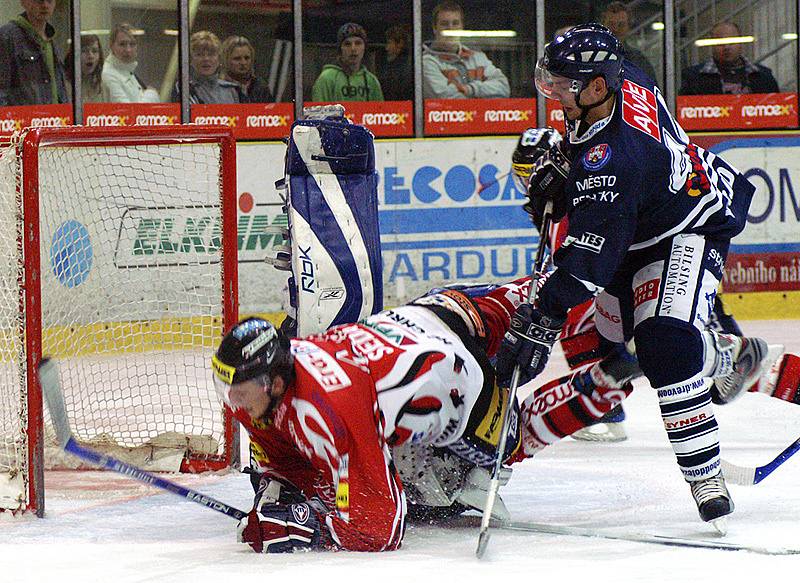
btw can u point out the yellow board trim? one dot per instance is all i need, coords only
(763, 305)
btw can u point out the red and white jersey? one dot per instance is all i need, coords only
(400, 376)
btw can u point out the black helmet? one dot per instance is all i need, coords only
(253, 348)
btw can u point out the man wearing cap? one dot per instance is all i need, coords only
(348, 79)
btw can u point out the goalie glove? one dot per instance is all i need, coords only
(277, 528)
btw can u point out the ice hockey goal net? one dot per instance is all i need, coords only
(118, 259)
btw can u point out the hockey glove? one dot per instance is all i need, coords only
(548, 178)
(532, 145)
(281, 529)
(527, 343)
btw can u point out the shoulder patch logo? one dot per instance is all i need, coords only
(597, 157)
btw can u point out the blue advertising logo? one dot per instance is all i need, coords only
(71, 253)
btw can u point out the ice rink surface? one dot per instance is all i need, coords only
(101, 527)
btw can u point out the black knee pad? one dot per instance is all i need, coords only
(669, 351)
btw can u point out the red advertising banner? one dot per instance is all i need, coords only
(726, 112)
(385, 119)
(14, 119)
(249, 121)
(478, 116)
(555, 115)
(762, 272)
(131, 114)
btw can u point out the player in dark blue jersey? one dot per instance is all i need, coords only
(650, 218)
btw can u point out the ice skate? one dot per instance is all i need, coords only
(714, 502)
(610, 429)
(748, 365)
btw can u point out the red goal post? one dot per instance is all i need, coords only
(118, 257)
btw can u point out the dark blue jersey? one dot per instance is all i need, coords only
(635, 181)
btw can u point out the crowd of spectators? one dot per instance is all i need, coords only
(32, 71)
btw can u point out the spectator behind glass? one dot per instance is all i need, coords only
(728, 71)
(395, 69)
(348, 80)
(92, 88)
(205, 86)
(31, 70)
(119, 75)
(617, 19)
(452, 71)
(237, 67)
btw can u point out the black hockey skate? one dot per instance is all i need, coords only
(714, 502)
(747, 368)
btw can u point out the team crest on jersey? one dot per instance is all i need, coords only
(597, 157)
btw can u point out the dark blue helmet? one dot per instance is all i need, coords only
(581, 54)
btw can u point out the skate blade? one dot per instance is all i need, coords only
(720, 525)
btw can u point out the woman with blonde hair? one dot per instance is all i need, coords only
(205, 86)
(119, 75)
(238, 63)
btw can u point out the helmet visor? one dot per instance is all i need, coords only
(553, 86)
(223, 391)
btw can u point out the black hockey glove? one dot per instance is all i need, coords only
(527, 343)
(532, 145)
(276, 528)
(548, 178)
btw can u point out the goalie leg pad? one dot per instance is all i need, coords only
(333, 224)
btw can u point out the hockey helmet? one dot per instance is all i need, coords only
(253, 349)
(581, 54)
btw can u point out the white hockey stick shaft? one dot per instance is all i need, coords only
(750, 476)
(494, 485)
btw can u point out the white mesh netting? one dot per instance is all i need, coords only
(131, 300)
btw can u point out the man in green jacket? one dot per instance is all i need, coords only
(348, 80)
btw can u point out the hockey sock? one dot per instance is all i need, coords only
(691, 426)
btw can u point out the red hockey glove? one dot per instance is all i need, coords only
(281, 529)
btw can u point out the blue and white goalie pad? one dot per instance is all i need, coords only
(337, 274)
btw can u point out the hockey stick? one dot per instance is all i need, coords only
(750, 476)
(638, 537)
(54, 397)
(494, 485)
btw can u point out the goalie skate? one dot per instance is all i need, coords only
(750, 361)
